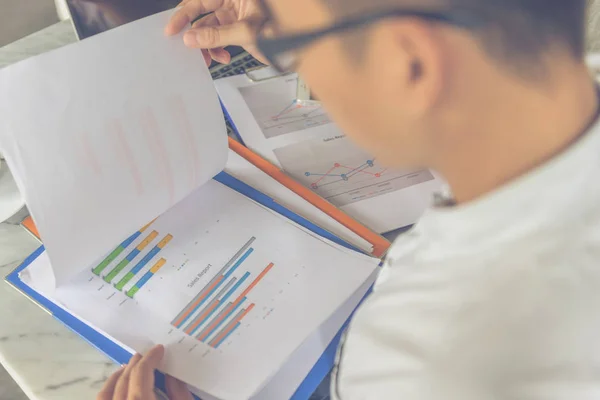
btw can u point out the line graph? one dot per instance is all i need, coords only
(265, 102)
(349, 173)
(341, 173)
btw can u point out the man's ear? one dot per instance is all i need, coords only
(414, 63)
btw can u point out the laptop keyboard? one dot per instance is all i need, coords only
(238, 65)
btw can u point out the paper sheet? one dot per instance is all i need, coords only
(301, 139)
(231, 289)
(124, 124)
(287, 380)
(242, 169)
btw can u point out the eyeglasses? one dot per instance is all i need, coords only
(282, 52)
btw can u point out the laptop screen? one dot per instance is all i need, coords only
(91, 17)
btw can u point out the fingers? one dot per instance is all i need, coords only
(109, 386)
(210, 37)
(120, 392)
(220, 55)
(142, 375)
(190, 10)
(176, 389)
(207, 57)
(209, 20)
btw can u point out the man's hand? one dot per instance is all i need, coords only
(229, 22)
(136, 380)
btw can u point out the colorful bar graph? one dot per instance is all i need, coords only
(221, 317)
(212, 306)
(240, 299)
(134, 253)
(203, 313)
(115, 253)
(217, 284)
(216, 346)
(223, 311)
(194, 327)
(155, 268)
(213, 285)
(230, 327)
(140, 265)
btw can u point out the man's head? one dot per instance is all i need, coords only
(408, 88)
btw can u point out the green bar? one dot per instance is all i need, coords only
(124, 281)
(116, 271)
(108, 260)
(131, 292)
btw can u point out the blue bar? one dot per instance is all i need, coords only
(227, 275)
(145, 260)
(130, 240)
(144, 279)
(233, 310)
(133, 254)
(223, 300)
(226, 336)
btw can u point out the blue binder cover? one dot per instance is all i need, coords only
(121, 356)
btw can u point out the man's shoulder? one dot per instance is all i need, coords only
(480, 315)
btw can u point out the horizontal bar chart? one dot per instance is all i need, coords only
(155, 268)
(207, 291)
(144, 261)
(216, 345)
(230, 327)
(203, 317)
(131, 256)
(239, 300)
(116, 252)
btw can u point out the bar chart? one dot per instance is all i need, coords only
(135, 247)
(140, 265)
(117, 252)
(219, 307)
(230, 288)
(155, 268)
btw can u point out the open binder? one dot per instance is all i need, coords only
(121, 356)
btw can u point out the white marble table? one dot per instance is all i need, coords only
(47, 360)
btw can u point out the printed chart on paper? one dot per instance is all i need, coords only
(341, 173)
(274, 106)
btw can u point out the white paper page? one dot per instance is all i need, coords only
(214, 258)
(104, 135)
(240, 168)
(287, 380)
(301, 139)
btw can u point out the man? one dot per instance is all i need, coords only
(495, 294)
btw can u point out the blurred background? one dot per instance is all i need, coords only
(19, 18)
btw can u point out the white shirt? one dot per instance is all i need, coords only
(496, 299)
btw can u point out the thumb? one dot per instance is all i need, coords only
(176, 389)
(210, 37)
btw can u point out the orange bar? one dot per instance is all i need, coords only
(380, 244)
(165, 241)
(231, 325)
(147, 225)
(147, 241)
(159, 264)
(190, 329)
(254, 283)
(237, 301)
(192, 306)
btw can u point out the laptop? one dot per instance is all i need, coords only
(91, 17)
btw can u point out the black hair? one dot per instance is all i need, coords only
(514, 30)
